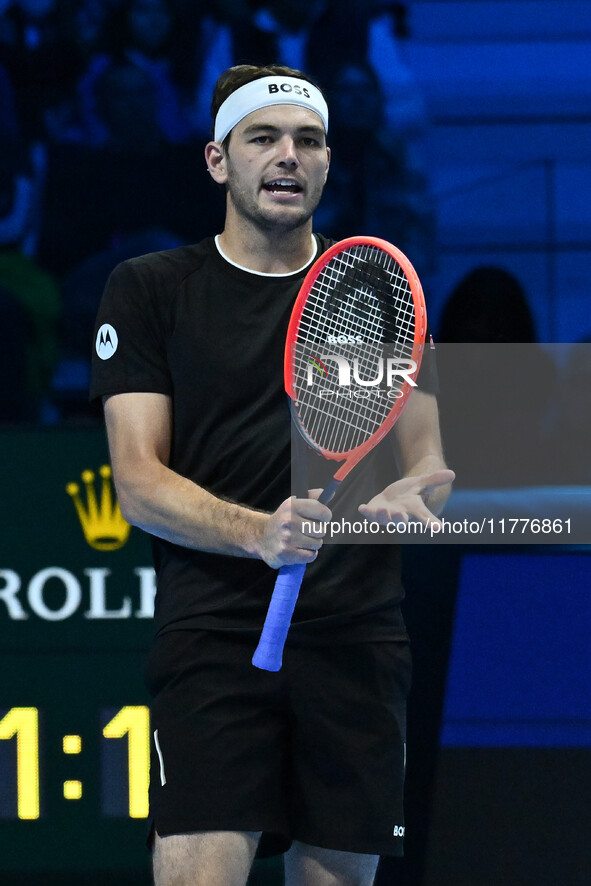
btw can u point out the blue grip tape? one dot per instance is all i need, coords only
(268, 655)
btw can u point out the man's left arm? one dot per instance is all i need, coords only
(426, 481)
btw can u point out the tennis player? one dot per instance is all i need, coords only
(188, 360)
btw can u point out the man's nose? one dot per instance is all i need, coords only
(288, 155)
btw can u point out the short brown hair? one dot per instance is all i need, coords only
(237, 76)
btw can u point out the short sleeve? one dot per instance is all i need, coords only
(129, 349)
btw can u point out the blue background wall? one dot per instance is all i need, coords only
(507, 86)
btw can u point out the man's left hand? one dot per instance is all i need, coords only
(405, 499)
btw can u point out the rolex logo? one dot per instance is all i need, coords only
(100, 517)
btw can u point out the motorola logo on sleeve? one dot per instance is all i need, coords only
(106, 341)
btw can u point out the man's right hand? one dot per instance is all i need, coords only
(294, 532)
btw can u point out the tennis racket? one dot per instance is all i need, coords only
(353, 350)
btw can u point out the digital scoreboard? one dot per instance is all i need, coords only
(76, 603)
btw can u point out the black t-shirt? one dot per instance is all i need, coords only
(189, 324)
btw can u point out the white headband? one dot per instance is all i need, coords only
(264, 92)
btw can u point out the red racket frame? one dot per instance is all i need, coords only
(355, 455)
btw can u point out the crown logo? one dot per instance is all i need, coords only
(103, 525)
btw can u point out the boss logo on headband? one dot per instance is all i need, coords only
(287, 87)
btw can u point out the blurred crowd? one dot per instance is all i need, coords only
(104, 112)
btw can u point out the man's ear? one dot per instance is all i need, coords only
(327, 164)
(216, 162)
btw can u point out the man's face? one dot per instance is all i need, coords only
(276, 165)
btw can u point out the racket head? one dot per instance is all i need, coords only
(361, 308)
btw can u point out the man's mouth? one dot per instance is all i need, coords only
(283, 186)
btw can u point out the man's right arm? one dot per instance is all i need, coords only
(155, 498)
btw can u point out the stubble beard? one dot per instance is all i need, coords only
(276, 219)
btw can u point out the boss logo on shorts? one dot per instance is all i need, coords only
(288, 87)
(398, 830)
(106, 341)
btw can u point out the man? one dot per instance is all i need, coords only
(188, 360)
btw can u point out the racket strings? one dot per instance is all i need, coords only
(348, 423)
(359, 312)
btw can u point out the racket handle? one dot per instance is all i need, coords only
(268, 655)
(328, 493)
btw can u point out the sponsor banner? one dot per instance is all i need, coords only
(73, 573)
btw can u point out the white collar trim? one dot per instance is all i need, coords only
(263, 273)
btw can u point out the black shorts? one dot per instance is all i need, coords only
(315, 752)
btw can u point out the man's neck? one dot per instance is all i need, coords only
(268, 252)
